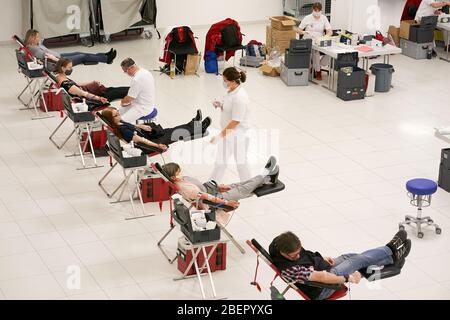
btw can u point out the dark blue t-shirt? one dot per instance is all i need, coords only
(127, 131)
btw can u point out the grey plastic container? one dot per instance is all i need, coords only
(414, 50)
(383, 73)
(294, 77)
(250, 61)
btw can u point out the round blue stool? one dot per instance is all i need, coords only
(420, 192)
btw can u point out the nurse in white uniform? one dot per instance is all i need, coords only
(314, 26)
(233, 140)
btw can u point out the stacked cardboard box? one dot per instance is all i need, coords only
(280, 32)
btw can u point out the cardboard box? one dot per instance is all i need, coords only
(280, 39)
(404, 28)
(283, 22)
(394, 32)
(192, 63)
(270, 71)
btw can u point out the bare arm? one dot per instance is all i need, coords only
(231, 126)
(207, 196)
(127, 100)
(139, 139)
(439, 5)
(326, 277)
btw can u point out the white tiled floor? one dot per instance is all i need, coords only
(344, 164)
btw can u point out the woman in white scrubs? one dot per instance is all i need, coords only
(233, 140)
(314, 26)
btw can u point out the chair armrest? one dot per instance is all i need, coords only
(148, 149)
(323, 285)
(218, 206)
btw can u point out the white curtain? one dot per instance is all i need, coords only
(54, 18)
(119, 15)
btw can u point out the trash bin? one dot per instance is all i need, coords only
(383, 73)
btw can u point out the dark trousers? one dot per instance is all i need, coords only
(184, 132)
(80, 57)
(114, 93)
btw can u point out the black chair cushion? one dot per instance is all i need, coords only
(269, 189)
(380, 274)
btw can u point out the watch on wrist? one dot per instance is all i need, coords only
(346, 278)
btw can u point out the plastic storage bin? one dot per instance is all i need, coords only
(413, 50)
(294, 77)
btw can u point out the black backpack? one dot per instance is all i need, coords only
(230, 37)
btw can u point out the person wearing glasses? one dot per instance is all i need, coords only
(140, 101)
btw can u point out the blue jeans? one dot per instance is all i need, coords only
(349, 263)
(80, 57)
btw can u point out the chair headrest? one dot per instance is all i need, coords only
(18, 40)
(262, 250)
(161, 171)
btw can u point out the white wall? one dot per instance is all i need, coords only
(206, 12)
(357, 15)
(11, 19)
(391, 12)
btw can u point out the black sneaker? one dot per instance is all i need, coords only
(397, 241)
(401, 254)
(199, 116)
(205, 124)
(271, 164)
(274, 175)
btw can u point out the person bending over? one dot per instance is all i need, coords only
(93, 90)
(193, 190)
(297, 264)
(33, 43)
(141, 99)
(155, 137)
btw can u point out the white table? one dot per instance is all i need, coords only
(445, 27)
(333, 52)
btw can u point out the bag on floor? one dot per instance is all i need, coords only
(211, 64)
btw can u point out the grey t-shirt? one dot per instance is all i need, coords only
(40, 51)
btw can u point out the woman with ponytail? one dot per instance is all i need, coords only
(233, 139)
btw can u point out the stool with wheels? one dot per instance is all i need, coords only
(420, 191)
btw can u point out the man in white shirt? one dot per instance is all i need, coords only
(430, 8)
(140, 101)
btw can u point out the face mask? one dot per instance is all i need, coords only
(317, 14)
(68, 72)
(225, 85)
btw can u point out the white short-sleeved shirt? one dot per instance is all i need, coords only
(425, 9)
(315, 27)
(142, 89)
(236, 107)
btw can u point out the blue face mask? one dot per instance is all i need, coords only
(225, 85)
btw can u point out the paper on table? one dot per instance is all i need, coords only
(364, 49)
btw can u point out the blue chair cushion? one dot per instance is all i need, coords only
(150, 116)
(422, 187)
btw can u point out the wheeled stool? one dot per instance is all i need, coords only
(420, 191)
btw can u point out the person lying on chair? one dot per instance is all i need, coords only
(154, 135)
(93, 90)
(33, 43)
(297, 265)
(222, 195)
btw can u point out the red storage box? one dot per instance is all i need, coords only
(53, 101)
(217, 262)
(99, 139)
(155, 190)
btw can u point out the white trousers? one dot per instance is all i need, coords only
(237, 146)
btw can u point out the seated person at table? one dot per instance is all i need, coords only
(33, 43)
(191, 189)
(296, 264)
(312, 27)
(91, 90)
(160, 139)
